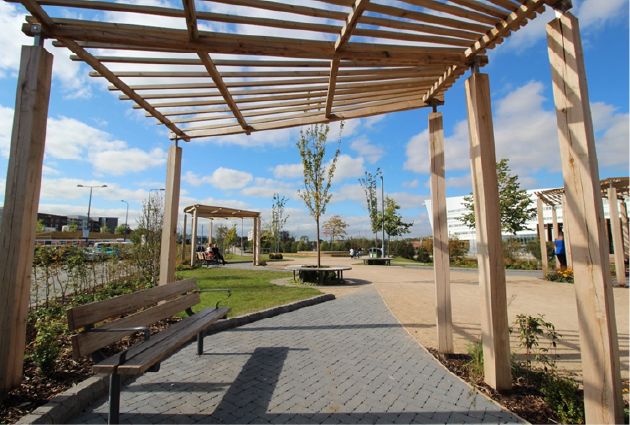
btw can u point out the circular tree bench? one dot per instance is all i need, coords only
(338, 270)
(381, 261)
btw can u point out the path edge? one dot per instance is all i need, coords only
(72, 401)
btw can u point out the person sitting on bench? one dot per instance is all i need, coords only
(217, 254)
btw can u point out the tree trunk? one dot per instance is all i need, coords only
(317, 241)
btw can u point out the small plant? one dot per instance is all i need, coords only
(565, 276)
(530, 330)
(46, 348)
(564, 397)
(475, 364)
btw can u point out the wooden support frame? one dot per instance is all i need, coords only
(555, 229)
(441, 257)
(615, 228)
(494, 319)
(256, 232)
(542, 233)
(184, 240)
(585, 217)
(193, 239)
(168, 247)
(567, 233)
(623, 213)
(21, 201)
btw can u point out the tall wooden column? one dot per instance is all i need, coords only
(256, 241)
(193, 238)
(494, 319)
(168, 254)
(624, 228)
(615, 227)
(440, 235)
(567, 234)
(555, 230)
(210, 234)
(184, 240)
(21, 200)
(543, 239)
(585, 216)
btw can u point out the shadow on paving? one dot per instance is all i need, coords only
(249, 396)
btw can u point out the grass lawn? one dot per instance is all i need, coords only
(251, 289)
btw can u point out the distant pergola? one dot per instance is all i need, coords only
(352, 59)
(217, 213)
(616, 190)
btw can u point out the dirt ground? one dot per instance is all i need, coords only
(409, 293)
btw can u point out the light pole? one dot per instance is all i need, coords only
(87, 235)
(126, 217)
(383, 215)
(242, 248)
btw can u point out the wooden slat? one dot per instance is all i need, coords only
(455, 11)
(142, 357)
(482, 7)
(85, 343)
(92, 313)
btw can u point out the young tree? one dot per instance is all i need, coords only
(220, 232)
(278, 219)
(73, 226)
(336, 228)
(105, 229)
(147, 238)
(40, 225)
(515, 204)
(122, 229)
(369, 187)
(317, 176)
(394, 226)
(231, 236)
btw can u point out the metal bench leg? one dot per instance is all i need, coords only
(114, 399)
(200, 343)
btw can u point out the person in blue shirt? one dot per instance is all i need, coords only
(560, 251)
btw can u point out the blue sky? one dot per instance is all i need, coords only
(93, 138)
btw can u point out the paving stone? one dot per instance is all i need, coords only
(343, 361)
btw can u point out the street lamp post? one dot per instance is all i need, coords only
(383, 214)
(126, 217)
(87, 236)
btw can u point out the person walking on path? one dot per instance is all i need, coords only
(351, 253)
(560, 251)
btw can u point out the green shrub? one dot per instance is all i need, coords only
(530, 330)
(564, 397)
(475, 364)
(46, 347)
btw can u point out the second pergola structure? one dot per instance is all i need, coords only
(383, 58)
(217, 213)
(616, 190)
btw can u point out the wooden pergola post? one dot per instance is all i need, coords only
(210, 234)
(615, 227)
(168, 251)
(21, 201)
(494, 319)
(624, 228)
(193, 239)
(256, 241)
(184, 240)
(440, 235)
(567, 233)
(543, 238)
(585, 216)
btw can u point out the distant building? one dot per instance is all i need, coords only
(110, 222)
(455, 209)
(52, 221)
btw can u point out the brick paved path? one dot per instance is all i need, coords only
(343, 361)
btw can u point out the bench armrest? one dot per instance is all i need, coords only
(189, 311)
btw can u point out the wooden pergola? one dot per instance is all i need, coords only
(217, 213)
(336, 60)
(614, 189)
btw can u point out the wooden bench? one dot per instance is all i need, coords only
(377, 261)
(105, 322)
(207, 259)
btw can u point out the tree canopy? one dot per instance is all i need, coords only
(317, 175)
(278, 219)
(394, 226)
(335, 227)
(514, 202)
(369, 187)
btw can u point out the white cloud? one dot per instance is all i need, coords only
(221, 178)
(597, 12)
(48, 171)
(456, 150)
(290, 171)
(411, 183)
(464, 181)
(370, 122)
(612, 135)
(11, 38)
(363, 147)
(353, 192)
(347, 168)
(6, 124)
(408, 200)
(266, 188)
(122, 161)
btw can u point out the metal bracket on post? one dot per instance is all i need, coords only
(176, 141)
(434, 104)
(561, 6)
(476, 64)
(38, 39)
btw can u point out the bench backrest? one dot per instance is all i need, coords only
(175, 295)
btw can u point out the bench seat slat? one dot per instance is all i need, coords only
(92, 313)
(85, 343)
(142, 357)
